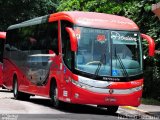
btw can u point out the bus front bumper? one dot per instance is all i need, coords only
(112, 97)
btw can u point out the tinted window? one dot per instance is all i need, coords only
(37, 37)
(1, 49)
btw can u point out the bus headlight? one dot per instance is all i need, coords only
(137, 88)
(81, 85)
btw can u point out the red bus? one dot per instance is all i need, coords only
(76, 57)
(2, 38)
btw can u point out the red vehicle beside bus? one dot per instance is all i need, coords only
(2, 38)
(76, 57)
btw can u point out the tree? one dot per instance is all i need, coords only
(15, 11)
(105, 6)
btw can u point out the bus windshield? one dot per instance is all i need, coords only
(108, 52)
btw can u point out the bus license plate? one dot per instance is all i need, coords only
(110, 99)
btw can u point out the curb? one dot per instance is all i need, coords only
(134, 108)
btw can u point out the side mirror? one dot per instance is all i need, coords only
(151, 47)
(73, 38)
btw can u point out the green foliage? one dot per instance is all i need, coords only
(68, 5)
(150, 101)
(15, 11)
(105, 6)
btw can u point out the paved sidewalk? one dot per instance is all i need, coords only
(152, 110)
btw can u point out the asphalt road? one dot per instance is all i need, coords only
(39, 108)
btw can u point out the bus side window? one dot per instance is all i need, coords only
(53, 37)
(66, 48)
(27, 38)
(10, 40)
(1, 49)
(48, 36)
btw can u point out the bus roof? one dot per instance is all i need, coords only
(37, 20)
(3, 35)
(96, 20)
(87, 19)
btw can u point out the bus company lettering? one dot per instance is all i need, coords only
(102, 20)
(111, 79)
(116, 36)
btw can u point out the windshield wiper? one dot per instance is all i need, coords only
(122, 65)
(103, 56)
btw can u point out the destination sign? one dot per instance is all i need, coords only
(123, 37)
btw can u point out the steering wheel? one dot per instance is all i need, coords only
(94, 63)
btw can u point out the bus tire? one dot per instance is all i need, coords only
(15, 89)
(19, 95)
(112, 109)
(54, 96)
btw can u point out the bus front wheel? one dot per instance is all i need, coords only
(54, 96)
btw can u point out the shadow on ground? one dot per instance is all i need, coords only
(72, 108)
(5, 90)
